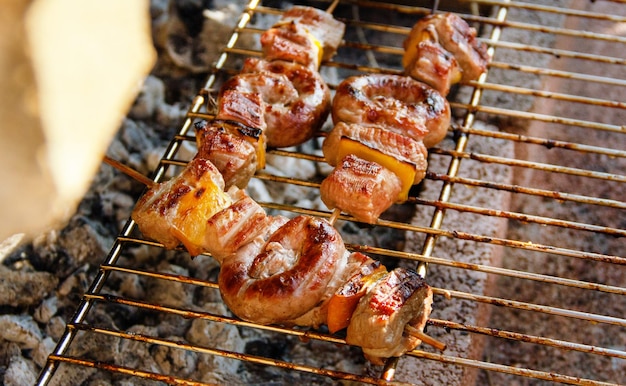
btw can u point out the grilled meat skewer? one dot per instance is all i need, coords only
(274, 270)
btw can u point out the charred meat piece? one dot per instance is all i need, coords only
(246, 108)
(379, 324)
(235, 226)
(292, 42)
(434, 66)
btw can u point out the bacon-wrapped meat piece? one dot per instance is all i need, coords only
(402, 155)
(434, 66)
(233, 227)
(291, 118)
(288, 277)
(397, 103)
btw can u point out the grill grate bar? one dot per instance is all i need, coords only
(546, 376)
(548, 143)
(212, 351)
(527, 218)
(559, 53)
(533, 307)
(558, 73)
(542, 117)
(560, 196)
(556, 343)
(553, 95)
(563, 32)
(555, 10)
(172, 380)
(533, 165)
(595, 318)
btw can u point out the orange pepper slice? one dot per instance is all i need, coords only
(342, 304)
(403, 169)
(195, 208)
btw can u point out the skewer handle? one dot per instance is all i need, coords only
(129, 171)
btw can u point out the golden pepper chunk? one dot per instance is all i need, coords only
(194, 209)
(403, 169)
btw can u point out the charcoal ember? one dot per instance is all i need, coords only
(55, 327)
(175, 361)
(21, 329)
(72, 375)
(40, 353)
(170, 293)
(205, 333)
(20, 371)
(46, 310)
(19, 289)
(84, 242)
(188, 35)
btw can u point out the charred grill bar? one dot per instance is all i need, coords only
(564, 156)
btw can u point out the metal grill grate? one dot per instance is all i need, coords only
(570, 260)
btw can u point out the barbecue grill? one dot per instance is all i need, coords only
(519, 225)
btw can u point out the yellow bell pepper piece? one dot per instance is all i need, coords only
(319, 45)
(403, 169)
(410, 53)
(194, 209)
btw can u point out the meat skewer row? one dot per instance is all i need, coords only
(280, 98)
(296, 271)
(384, 123)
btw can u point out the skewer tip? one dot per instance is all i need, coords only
(429, 340)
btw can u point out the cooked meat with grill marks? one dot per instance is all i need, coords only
(455, 36)
(324, 28)
(292, 42)
(234, 156)
(176, 211)
(247, 108)
(434, 66)
(396, 145)
(293, 120)
(378, 324)
(397, 103)
(284, 277)
(235, 226)
(362, 188)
